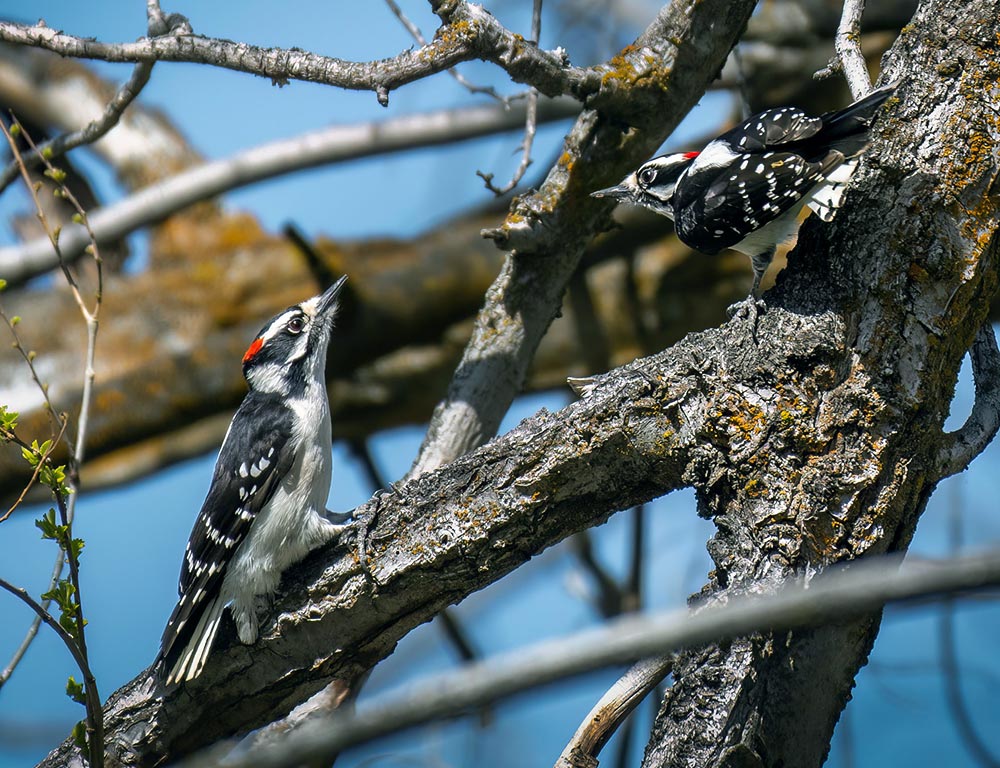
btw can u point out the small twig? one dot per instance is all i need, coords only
(76, 448)
(610, 596)
(38, 467)
(743, 89)
(530, 122)
(849, 59)
(630, 690)
(29, 636)
(321, 273)
(60, 145)
(458, 637)
(960, 447)
(93, 699)
(28, 357)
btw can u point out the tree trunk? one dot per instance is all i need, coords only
(832, 418)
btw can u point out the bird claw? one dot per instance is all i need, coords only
(749, 309)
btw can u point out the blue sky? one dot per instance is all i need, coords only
(135, 535)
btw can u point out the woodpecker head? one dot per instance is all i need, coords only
(652, 186)
(290, 351)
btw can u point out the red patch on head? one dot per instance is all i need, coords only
(253, 350)
(691, 155)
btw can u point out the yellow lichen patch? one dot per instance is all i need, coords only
(452, 35)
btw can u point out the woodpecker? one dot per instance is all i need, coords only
(266, 507)
(746, 188)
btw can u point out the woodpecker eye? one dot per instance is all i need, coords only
(647, 176)
(296, 324)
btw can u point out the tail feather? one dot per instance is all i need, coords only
(191, 661)
(850, 125)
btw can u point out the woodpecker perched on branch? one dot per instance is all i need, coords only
(266, 507)
(745, 189)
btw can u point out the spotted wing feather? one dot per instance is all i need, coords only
(772, 128)
(250, 465)
(744, 196)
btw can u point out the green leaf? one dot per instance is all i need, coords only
(48, 526)
(58, 175)
(63, 595)
(68, 623)
(3, 283)
(8, 419)
(75, 691)
(30, 456)
(80, 735)
(75, 548)
(15, 130)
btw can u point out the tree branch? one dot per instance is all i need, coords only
(332, 145)
(664, 73)
(960, 447)
(610, 712)
(830, 597)
(472, 33)
(847, 42)
(60, 145)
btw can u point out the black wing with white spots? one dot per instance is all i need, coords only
(251, 463)
(771, 129)
(721, 208)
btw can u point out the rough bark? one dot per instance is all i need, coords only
(650, 296)
(649, 86)
(815, 441)
(832, 455)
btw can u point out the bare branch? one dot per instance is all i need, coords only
(79, 654)
(968, 441)
(531, 122)
(472, 33)
(847, 43)
(417, 35)
(611, 711)
(76, 448)
(845, 593)
(95, 130)
(36, 623)
(332, 145)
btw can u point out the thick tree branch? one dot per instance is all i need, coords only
(830, 597)
(663, 73)
(472, 33)
(468, 524)
(897, 296)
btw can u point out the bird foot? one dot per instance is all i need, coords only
(749, 309)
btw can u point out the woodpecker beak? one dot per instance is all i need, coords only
(620, 192)
(328, 300)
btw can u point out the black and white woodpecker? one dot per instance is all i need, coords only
(266, 507)
(746, 188)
